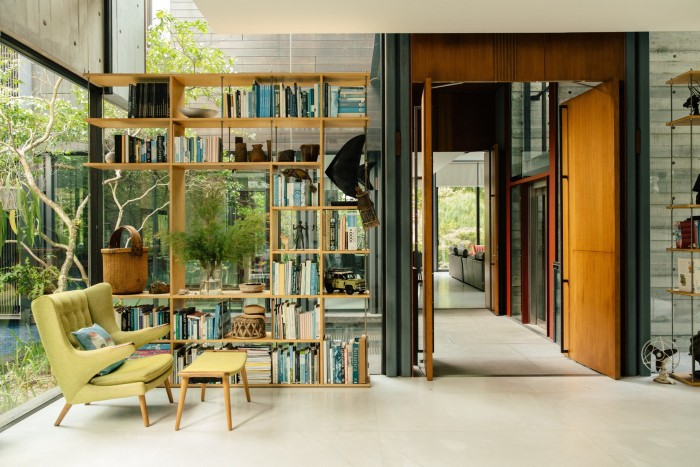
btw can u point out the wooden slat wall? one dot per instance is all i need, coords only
(517, 57)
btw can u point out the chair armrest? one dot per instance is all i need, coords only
(142, 336)
(85, 364)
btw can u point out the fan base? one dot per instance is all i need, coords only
(664, 379)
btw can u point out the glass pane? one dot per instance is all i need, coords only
(515, 254)
(529, 129)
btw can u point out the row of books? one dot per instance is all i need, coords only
(342, 231)
(346, 361)
(345, 101)
(685, 233)
(197, 149)
(148, 100)
(295, 277)
(258, 365)
(195, 324)
(295, 364)
(133, 318)
(291, 191)
(273, 100)
(132, 149)
(290, 322)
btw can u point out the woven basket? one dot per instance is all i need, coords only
(125, 269)
(248, 327)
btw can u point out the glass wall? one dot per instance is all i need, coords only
(43, 212)
(529, 129)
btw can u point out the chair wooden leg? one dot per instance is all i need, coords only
(144, 410)
(181, 402)
(63, 413)
(227, 399)
(167, 389)
(244, 375)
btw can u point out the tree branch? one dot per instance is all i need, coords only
(28, 250)
(151, 215)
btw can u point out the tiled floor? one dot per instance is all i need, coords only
(526, 421)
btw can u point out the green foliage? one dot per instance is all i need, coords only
(211, 238)
(456, 218)
(24, 375)
(31, 281)
(179, 46)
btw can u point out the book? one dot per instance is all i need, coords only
(685, 274)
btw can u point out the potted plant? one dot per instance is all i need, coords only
(211, 239)
(30, 281)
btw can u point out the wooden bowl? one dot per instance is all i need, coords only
(252, 287)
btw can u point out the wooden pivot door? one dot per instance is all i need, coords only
(427, 230)
(591, 227)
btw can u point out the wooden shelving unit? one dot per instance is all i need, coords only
(177, 125)
(680, 248)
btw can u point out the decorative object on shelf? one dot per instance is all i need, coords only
(343, 168)
(254, 310)
(300, 233)
(158, 287)
(694, 352)
(210, 278)
(257, 154)
(241, 153)
(196, 112)
(309, 152)
(693, 101)
(284, 240)
(183, 292)
(286, 156)
(300, 174)
(110, 157)
(125, 269)
(366, 208)
(696, 188)
(660, 355)
(252, 287)
(248, 326)
(344, 280)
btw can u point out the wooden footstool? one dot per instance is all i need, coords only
(214, 364)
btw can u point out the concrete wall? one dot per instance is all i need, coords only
(670, 55)
(70, 32)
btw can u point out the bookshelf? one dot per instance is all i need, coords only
(297, 229)
(684, 212)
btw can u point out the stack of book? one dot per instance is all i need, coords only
(132, 149)
(196, 324)
(148, 100)
(295, 364)
(685, 233)
(343, 231)
(258, 365)
(346, 362)
(290, 191)
(290, 322)
(197, 149)
(133, 318)
(344, 101)
(295, 277)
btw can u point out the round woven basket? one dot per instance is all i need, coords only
(254, 310)
(251, 287)
(248, 327)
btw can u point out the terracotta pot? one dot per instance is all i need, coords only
(257, 154)
(309, 152)
(241, 153)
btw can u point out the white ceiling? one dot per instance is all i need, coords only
(448, 16)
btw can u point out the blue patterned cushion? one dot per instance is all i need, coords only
(95, 337)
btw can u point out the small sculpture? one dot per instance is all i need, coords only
(299, 234)
(300, 174)
(284, 239)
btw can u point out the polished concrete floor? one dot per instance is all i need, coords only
(450, 293)
(525, 421)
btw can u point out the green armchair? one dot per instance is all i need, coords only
(75, 369)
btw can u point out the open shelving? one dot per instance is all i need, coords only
(283, 132)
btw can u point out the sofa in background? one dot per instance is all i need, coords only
(466, 267)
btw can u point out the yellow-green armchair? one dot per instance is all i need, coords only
(76, 370)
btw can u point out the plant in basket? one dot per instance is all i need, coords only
(212, 237)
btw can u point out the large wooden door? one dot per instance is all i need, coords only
(427, 231)
(591, 224)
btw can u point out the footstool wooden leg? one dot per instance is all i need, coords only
(204, 388)
(181, 402)
(227, 399)
(244, 375)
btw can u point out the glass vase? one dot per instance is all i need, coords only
(210, 279)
